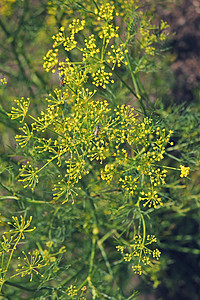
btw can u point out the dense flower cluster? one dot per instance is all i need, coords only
(105, 12)
(21, 111)
(84, 139)
(139, 252)
(93, 59)
(184, 171)
(151, 35)
(3, 81)
(51, 59)
(132, 147)
(8, 245)
(30, 264)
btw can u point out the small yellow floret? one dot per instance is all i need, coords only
(184, 171)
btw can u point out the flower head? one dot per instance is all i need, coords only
(184, 171)
(21, 110)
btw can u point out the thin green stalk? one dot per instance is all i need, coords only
(95, 4)
(26, 199)
(143, 91)
(9, 260)
(71, 277)
(144, 230)
(178, 147)
(180, 248)
(124, 83)
(13, 249)
(99, 243)
(172, 156)
(44, 166)
(135, 85)
(19, 286)
(133, 78)
(47, 127)
(27, 289)
(107, 235)
(2, 259)
(94, 239)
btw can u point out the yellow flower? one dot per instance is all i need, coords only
(184, 171)
(3, 81)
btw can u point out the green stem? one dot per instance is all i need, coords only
(178, 147)
(165, 167)
(172, 156)
(144, 229)
(19, 286)
(49, 161)
(135, 85)
(99, 243)
(180, 248)
(107, 235)
(94, 239)
(95, 4)
(124, 83)
(25, 288)
(133, 78)
(75, 275)
(11, 254)
(144, 93)
(26, 199)
(47, 127)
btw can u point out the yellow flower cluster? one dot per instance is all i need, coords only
(19, 227)
(29, 175)
(64, 190)
(59, 97)
(116, 56)
(108, 32)
(74, 76)
(76, 26)
(150, 35)
(163, 35)
(129, 184)
(101, 77)
(50, 60)
(147, 39)
(3, 81)
(157, 176)
(59, 38)
(47, 118)
(21, 111)
(108, 172)
(184, 171)
(139, 252)
(69, 42)
(150, 198)
(105, 12)
(94, 60)
(72, 291)
(90, 49)
(127, 7)
(31, 263)
(131, 145)
(24, 139)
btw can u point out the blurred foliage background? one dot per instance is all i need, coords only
(26, 28)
